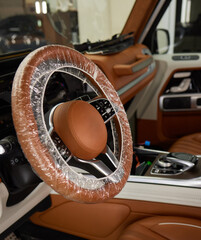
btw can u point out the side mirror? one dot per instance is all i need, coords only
(160, 41)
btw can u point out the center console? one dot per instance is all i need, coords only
(178, 169)
(177, 165)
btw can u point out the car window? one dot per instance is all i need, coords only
(179, 29)
(30, 24)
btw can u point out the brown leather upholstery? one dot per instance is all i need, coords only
(163, 228)
(188, 144)
(105, 221)
(116, 68)
(86, 140)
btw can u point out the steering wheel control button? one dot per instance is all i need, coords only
(81, 128)
(63, 150)
(17, 161)
(104, 107)
(83, 98)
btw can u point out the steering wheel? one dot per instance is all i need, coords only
(77, 135)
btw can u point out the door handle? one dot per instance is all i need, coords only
(142, 62)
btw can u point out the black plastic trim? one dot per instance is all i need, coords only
(185, 57)
(32, 231)
(42, 206)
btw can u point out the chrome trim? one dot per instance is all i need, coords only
(164, 166)
(111, 157)
(194, 182)
(193, 98)
(101, 168)
(152, 150)
(137, 80)
(97, 164)
(51, 117)
(187, 164)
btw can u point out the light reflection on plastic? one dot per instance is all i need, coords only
(2, 150)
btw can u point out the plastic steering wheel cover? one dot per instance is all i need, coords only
(27, 109)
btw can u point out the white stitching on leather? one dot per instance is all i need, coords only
(181, 224)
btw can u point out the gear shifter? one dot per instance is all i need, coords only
(174, 164)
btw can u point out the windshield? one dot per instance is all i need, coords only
(29, 24)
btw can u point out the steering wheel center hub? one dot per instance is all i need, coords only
(81, 128)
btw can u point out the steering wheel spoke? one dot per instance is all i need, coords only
(102, 166)
(111, 157)
(101, 169)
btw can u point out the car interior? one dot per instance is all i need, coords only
(100, 109)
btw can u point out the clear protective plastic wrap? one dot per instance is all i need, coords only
(28, 92)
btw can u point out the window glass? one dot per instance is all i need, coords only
(29, 24)
(182, 24)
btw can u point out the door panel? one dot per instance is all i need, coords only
(129, 71)
(164, 127)
(169, 111)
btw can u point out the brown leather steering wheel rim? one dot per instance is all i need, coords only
(43, 61)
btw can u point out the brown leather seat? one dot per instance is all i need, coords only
(163, 228)
(188, 144)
